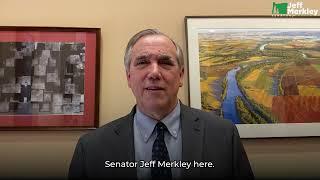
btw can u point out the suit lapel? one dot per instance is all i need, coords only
(192, 139)
(125, 139)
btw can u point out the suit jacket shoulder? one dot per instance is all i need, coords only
(209, 118)
(111, 143)
(107, 131)
(207, 137)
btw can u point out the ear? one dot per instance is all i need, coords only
(181, 77)
(128, 78)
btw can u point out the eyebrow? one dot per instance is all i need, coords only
(164, 57)
(143, 56)
(159, 57)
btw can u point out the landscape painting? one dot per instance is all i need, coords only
(258, 76)
(260, 73)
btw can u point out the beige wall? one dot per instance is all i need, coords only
(48, 153)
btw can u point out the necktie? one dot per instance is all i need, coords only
(160, 154)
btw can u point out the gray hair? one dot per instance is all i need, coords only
(149, 32)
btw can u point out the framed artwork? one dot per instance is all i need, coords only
(49, 77)
(262, 73)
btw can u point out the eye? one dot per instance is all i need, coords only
(166, 60)
(141, 60)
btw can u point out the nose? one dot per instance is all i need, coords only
(154, 72)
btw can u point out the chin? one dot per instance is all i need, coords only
(154, 104)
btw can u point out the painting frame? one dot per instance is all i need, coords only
(49, 78)
(194, 23)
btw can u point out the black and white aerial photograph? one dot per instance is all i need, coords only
(42, 78)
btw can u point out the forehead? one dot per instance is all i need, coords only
(154, 44)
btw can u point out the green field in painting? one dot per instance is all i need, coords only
(317, 67)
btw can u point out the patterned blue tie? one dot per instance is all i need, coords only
(160, 153)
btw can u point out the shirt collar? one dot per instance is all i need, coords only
(146, 124)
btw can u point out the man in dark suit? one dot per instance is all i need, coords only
(161, 137)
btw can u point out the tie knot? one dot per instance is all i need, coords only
(161, 128)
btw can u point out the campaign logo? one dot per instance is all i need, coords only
(292, 9)
(279, 8)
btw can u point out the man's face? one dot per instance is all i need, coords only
(154, 74)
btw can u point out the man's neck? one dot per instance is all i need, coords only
(157, 113)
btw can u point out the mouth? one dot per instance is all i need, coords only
(154, 88)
